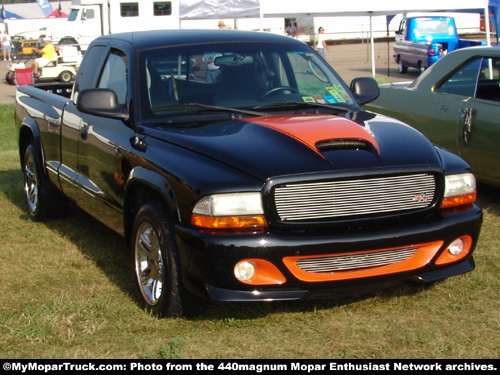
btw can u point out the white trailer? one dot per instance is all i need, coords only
(16, 26)
(89, 19)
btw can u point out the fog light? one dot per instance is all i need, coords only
(457, 250)
(456, 247)
(244, 270)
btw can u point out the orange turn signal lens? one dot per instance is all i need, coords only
(458, 200)
(229, 222)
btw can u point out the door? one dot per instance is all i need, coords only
(103, 150)
(478, 126)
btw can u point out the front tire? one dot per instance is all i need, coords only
(156, 263)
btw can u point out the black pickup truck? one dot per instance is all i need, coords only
(239, 167)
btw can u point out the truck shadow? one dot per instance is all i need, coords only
(109, 252)
(488, 198)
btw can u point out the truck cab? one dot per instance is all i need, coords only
(440, 30)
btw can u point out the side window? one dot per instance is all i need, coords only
(129, 9)
(401, 29)
(162, 8)
(114, 75)
(463, 81)
(88, 14)
(88, 72)
(489, 80)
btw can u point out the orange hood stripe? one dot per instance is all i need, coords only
(313, 129)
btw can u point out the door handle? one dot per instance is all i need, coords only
(84, 130)
(467, 115)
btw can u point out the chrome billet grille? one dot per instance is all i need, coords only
(354, 198)
(356, 261)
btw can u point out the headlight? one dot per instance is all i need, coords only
(229, 211)
(459, 190)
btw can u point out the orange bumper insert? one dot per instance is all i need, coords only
(422, 256)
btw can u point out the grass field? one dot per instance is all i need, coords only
(66, 293)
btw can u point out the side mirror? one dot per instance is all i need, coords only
(101, 102)
(365, 89)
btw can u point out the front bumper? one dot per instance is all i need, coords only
(208, 260)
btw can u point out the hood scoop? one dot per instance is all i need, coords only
(316, 131)
(343, 144)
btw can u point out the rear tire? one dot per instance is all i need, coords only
(65, 76)
(402, 67)
(10, 77)
(421, 67)
(38, 196)
(156, 264)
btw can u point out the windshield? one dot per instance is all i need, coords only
(433, 26)
(235, 75)
(73, 13)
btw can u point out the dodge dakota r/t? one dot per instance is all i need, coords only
(239, 167)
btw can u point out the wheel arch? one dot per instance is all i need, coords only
(30, 133)
(144, 185)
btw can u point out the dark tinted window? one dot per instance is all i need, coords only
(129, 9)
(89, 69)
(114, 75)
(489, 79)
(162, 8)
(463, 81)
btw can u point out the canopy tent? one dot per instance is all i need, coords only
(9, 15)
(494, 9)
(206, 9)
(56, 13)
(198, 9)
(319, 8)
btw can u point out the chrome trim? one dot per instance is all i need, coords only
(354, 198)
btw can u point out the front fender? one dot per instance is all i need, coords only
(452, 163)
(142, 185)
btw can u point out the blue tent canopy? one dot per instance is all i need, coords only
(9, 15)
(5, 14)
(494, 8)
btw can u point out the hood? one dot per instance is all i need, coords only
(283, 145)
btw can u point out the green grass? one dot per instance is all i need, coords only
(66, 293)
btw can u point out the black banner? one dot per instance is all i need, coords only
(250, 366)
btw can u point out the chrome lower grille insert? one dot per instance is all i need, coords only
(355, 261)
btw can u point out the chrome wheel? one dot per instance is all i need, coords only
(31, 184)
(155, 263)
(149, 264)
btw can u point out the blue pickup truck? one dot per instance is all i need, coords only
(421, 41)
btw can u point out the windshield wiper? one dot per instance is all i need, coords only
(298, 105)
(210, 107)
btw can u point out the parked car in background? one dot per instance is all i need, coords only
(456, 104)
(24, 48)
(421, 41)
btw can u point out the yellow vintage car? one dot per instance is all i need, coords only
(24, 47)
